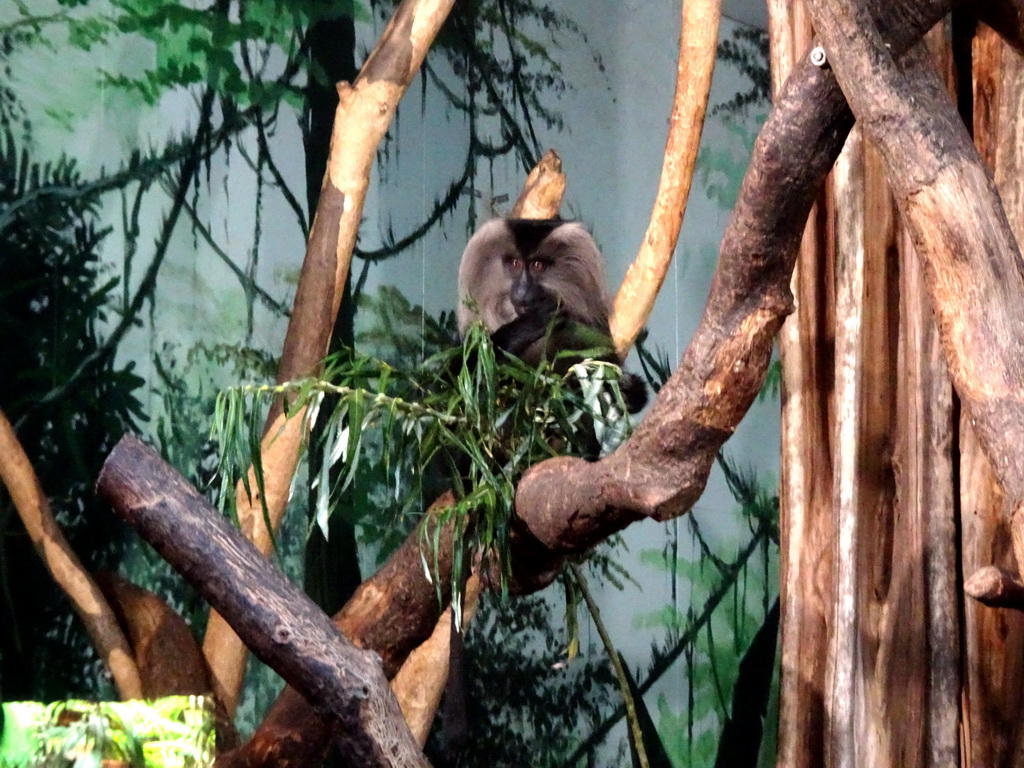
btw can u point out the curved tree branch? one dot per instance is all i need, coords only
(639, 289)
(92, 608)
(567, 503)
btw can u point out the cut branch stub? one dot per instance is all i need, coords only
(542, 194)
(996, 588)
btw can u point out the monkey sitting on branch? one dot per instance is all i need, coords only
(538, 287)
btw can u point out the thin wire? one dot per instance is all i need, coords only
(423, 242)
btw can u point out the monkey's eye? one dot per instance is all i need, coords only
(538, 266)
(515, 262)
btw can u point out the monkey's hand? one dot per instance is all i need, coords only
(530, 326)
(634, 392)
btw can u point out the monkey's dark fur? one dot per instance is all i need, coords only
(539, 287)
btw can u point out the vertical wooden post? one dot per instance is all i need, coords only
(993, 638)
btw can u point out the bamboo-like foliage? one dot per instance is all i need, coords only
(172, 732)
(475, 415)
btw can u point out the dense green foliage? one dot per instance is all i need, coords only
(172, 732)
(479, 417)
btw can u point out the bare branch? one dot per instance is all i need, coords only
(92, 608)
(281, 625)
(639, 289)
(365, 111)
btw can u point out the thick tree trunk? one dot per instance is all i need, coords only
(807, 351)
(893, 695)
(972, 264)
(855, 360)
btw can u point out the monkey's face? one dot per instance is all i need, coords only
(513, 268)
(484, 279)
(526, 276)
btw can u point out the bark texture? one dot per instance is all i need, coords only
(971, 261)
(870, 571)
(391, 613)
(807, 352)
(277, 621)
(993, 663)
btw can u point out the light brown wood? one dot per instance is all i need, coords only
(421, 680)
(843, 735)
(973, 266)
(996, 588)
(993, 638)
(806, 348)
(542, 194)
(18, 476)
(635, 298)
(365, 110)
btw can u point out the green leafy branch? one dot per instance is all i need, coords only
(478, 417)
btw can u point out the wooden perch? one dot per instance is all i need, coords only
(697, 47)
(275, 619)
(33, 508)
(392, 612)
(365, 110)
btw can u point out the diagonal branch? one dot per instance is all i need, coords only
(282, 626)
(20, 479)
(365, 110)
